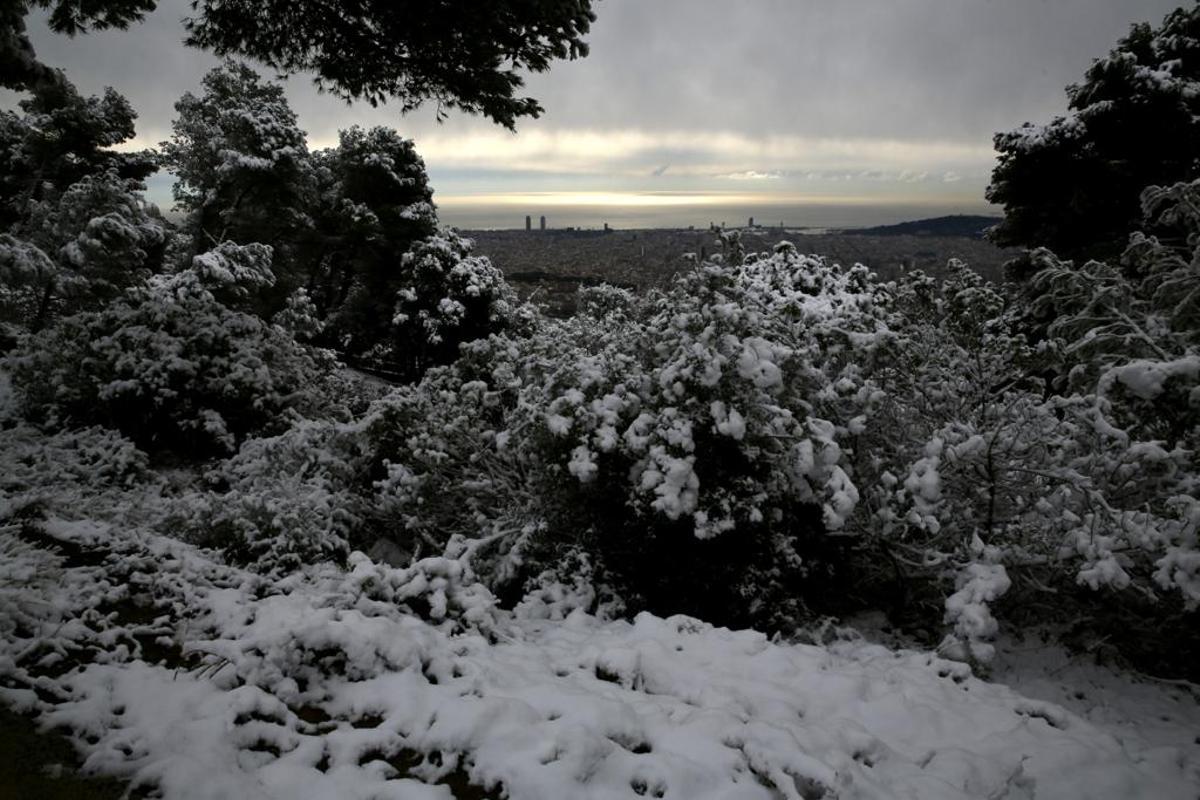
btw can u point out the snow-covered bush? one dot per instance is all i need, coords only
(991, 483)
(442, 467)
(284, 501)
(89, 459)
(299, 317)
(170, 365)
(692, 443)
(604, 300)
(569, 587)
(27, 280)
(446, 297)
(233, 272)
(954, 375)
(441, 590)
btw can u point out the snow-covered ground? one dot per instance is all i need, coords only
(176, 671)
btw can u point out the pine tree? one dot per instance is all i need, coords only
(1073, 185)
(468, 54)
(374, 203)
(61, 138)
(241, 160)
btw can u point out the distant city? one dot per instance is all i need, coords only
(607, 229)
(599, 218)
(550, 263)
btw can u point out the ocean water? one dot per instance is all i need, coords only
(819, 215)
(850, 215)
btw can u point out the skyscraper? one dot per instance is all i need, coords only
(543, 222)
(528, 222)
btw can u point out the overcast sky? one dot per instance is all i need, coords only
(858, 100)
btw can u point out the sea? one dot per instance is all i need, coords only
(818, 217)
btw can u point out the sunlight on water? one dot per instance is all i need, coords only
(664, 210)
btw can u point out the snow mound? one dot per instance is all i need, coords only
(174, 671)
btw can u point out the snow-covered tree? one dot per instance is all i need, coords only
(1073, 185)
(242, 164)
(61, 138)
(339, 221)
(372, 203)
(169, 364)
(73, 227)
(95, 239)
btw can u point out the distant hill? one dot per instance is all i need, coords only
(958, 225)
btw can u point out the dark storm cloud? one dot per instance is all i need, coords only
(716, 89)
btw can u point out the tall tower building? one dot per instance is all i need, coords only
(543, 222)
(528, 222)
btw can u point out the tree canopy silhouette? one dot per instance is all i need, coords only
(1073, 185)
(467, 54)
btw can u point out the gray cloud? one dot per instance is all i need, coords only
(948, 69)
(923, 72)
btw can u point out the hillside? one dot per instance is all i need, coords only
(967, 225)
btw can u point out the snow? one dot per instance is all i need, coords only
(583, 464)
(978, 584)
(729, 422)
(385, 682)
(247, 268)
(1155, 717)
(23, 261)
(1147, 379)
(757, 363)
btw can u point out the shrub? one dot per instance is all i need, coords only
(770, 440)
(991, 483)
(284, 501)
(446, 297)
(692, 444)
(168, 364)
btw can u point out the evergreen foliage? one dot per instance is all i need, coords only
(373, 203)
(1073, 185)
(79, 250)
(170, 365)
(242, 166)
(58, 141)
(466, 55)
